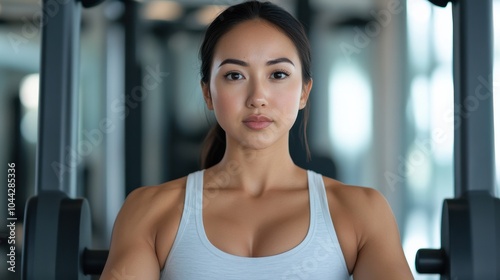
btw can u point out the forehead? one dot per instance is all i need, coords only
(253, 40)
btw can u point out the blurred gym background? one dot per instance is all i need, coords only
(382, 103)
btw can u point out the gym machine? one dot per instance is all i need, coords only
(470, 225)
(57, 226)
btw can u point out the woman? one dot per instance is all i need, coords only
(251, 213)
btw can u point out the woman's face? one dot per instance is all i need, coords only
(256, 87)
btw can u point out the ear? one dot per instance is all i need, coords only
(306, 89)
(205, 88)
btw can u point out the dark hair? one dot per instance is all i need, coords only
(215, 142)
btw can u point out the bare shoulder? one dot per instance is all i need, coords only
(367, 232)
(360, 201)
(364, 194)
(133, 243)
(148, 200)
(145, 205)
(354, 209)
(364, 209)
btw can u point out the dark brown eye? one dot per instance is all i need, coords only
(233, 76)
(279, 75)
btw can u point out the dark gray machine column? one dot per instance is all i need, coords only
(57, 153)
(474, 130)
(133, 89)
(57, 226)
(473, 71)
(470, 229)
(57, 132)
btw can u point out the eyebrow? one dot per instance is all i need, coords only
(279, 60)
(243, 63)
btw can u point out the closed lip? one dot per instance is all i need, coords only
(257, 118)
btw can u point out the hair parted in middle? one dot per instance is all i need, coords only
(215, 142)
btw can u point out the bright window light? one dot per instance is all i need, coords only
(350, 109)
(496, 114)
(29, 91)
(419, 94)
(496, 88)
(442, 114)
(443, 33)
(29, 126)
(419, 19)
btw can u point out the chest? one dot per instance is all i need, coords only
(256, 227)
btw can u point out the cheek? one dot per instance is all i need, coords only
(286, 106)
(290, 97)
(224, 101)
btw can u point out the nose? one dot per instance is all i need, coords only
(257, 95)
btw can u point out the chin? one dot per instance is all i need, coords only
(258, 144)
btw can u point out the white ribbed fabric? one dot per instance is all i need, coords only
(193, 257)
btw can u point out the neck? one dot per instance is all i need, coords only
(254, 171)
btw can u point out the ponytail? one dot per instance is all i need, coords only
(303, 127)
(213, 147)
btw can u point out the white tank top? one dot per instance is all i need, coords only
(193, 257)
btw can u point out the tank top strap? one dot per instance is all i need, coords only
(190, 208)
(314, 181)
(197, 194)
(323, 206)
(318, 193)
(194, 187)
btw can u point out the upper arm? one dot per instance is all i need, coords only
(132, 253)
(380, 255)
